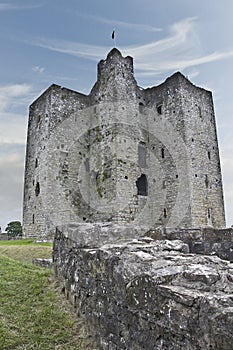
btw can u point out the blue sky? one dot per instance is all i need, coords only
(54, 41)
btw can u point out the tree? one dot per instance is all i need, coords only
(14, 229)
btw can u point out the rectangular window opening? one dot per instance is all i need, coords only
(162, 152)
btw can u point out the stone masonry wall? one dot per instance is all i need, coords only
(123, 154)
(52, 108)
(138, 293)
(206, 240)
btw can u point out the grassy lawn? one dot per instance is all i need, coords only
(25, 250)
(33, 314)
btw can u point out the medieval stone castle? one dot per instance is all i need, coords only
(127, 182)
(123, 154)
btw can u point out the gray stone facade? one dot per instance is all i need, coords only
(123, 154)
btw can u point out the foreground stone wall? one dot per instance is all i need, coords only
(205, 240)
(138, 293)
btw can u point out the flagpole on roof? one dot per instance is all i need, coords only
(114, 37)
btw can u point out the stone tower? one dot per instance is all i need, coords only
(123, 154)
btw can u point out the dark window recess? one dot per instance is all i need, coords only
(126, 177)
(36, 163)
(164, 184)
(165, 213)
(209, 213)
(142, 185)
(209, 155)
(33, 218)
(159, 109)
(199, 111)
(162, 152)
(206, 181)
(37, 189)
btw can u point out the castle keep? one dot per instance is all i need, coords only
(123, 154)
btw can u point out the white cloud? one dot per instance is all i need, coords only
(12, 149)
(91, 52)
(117, 23)
(227, 166)
(179, 50)
(8, 7)
(11, 179)
(14, 90)
(13, 128)
(38, 69)
(11, 95)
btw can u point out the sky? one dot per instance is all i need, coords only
(52, 41)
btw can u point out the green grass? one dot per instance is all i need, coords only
(33, 314)
(20, 242)
(25, 250)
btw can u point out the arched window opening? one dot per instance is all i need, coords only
(165, 213)
(141, 107)
(142, 185)
(36, 163)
